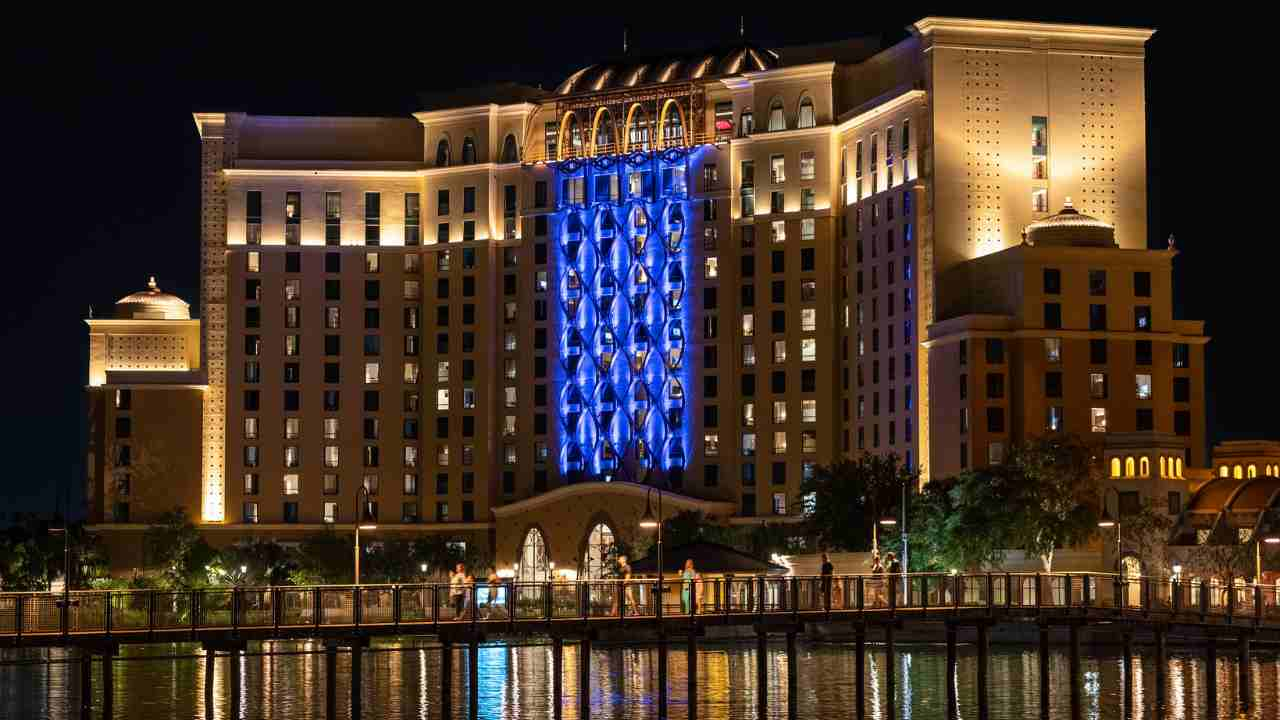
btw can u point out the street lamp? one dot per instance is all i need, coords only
(1106, 521)
(362, 501)
(1257, 555)
(650, 522)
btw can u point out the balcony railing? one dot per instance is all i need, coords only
(142, 614)
(538, 153)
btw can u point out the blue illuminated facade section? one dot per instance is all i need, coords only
(622, 264)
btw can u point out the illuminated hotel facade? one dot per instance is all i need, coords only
(709, 273)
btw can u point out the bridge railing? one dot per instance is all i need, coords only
(130, 612)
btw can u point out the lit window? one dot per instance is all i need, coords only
(292, 484)
(331, 428)
(468, 398)
(509, 341)
(442, 371)
(748, 355)
(1053, 350)
(410, 456)
(411, 373)
(1143, 382)
(251, 428)
(748, 444)
(1040, 200)
(807, 165)
(331, 512)
(711, 267)
(748, 324)
(1098, 385)
(711, 444)
(331, 456)
(809, 411)
(808, 319)
(372, 372)
(778, 230)
(808, 227)
(749, 414)
(779, 351)
(808, 349)
(777, 169)
(808, 441)
(995, 453)
(1098, 419)
(779, 442)
(509, 394)
(779, 411)
(442, 399)
(779, 503)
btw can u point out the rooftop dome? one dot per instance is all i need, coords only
(1070, 227)
(152, 304)
(631, 72)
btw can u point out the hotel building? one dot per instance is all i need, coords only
(710, 273)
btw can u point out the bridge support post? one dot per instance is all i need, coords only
(1211, 675)
(1242, 667)
(234, 658)
(1073, 654)
(951, 671)
(662, 675)
(446, 679)
(584, 677)
(1044, 672)
(793, 668)
(1161, 666)
(693, 675)
(762, 672)
(86, 686)
(984, 652)
(860, 670)
(557, 675)
(890, 676)
(330, 681)
(108, 683)
(1126, 700)
(357, 680)
(473, 678)
(208, 682)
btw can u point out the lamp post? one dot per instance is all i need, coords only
(889, 521)
(649, 522)
(362, 500)
(1106, 521)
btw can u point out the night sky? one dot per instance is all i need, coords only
(104, 161)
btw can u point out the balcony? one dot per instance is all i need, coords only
(539, 154)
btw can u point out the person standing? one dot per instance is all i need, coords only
(688, 591)
(628, 592)
(877, 570)
(828, 570)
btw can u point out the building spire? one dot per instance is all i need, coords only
(742, 26)
(624, 39)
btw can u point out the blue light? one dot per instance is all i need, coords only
(621, 256)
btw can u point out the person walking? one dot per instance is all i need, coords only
(688, 591)
(877, 582)
(828, 570)
(458, 590)
(628, 592)
(894, 569)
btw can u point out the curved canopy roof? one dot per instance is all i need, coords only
(152, 304)
(632, 72)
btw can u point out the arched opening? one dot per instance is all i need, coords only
(468, 150)
(1253, 470)
(1237, 472)
(570, 144)
(510, 152)
(534, 563)
(1144, 467)
(806, 118)
(1115, 467)
(777, 116)
(1223, 471)
(672, 124)
(1128, 466)
(602, 133)
(598, 557)
(638, 132)
(443, 155)
(746, 123)
(1131, 571)
(1177, 472)
(1164, 468)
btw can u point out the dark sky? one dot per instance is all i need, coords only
(103, 166)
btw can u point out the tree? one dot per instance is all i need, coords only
(324, 558)
(265, 562)
(438, 553)
(958, 523)
(1052, 486)
(844, 501)
(1145, 533)
(182, 556)
(389, 561)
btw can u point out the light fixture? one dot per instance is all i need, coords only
(1105, 521)
(424, 567)
(648, 521)
(244, 569)
(368, 527)
(1271, 540)
(888, 521)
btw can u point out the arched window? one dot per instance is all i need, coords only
(638, 129)
(598, 558)
(777, 116)
(510, 152)
(1128, 466)
(602, 137)
(468, 150)
(1164, 469)
(1237, 472)
(747, 123)
(1115, 467)
(1253, 470)
(1224, 472)
(1178, 470)
(1144, 466)
(442, 153)
(535, 566)
(672, 124)
(806, 117)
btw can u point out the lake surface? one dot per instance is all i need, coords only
(401, 680)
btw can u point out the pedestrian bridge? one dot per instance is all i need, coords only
(124, 616)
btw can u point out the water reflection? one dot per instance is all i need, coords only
(402, 679)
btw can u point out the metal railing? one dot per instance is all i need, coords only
(132, 613)
(538, 153)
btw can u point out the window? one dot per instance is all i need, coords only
(994, 351)
(777, 116)
(1181, 355)
(1098, 352)
(1181, 389)
(1052, 281)
(372, 218)
(1052, 316)
(1053, 421)
(1098, 385)
(808, 349)
(1142, 318)
(806, 117)
(1097, 282)
(1053, 350)
(777, 169)
(1143, 381)
(1098, 419)
(1097, 317)
(1142, 284)
(711, 267)
(779, 503)
(292, 484)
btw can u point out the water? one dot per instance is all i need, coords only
(401, 680)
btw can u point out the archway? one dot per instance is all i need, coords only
(597, 557)
(443, 155)
(510, 152)
(570, 142)
(672, 125)
(1131, 572)
(637, 131)
(602, 132)
(533, 563)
